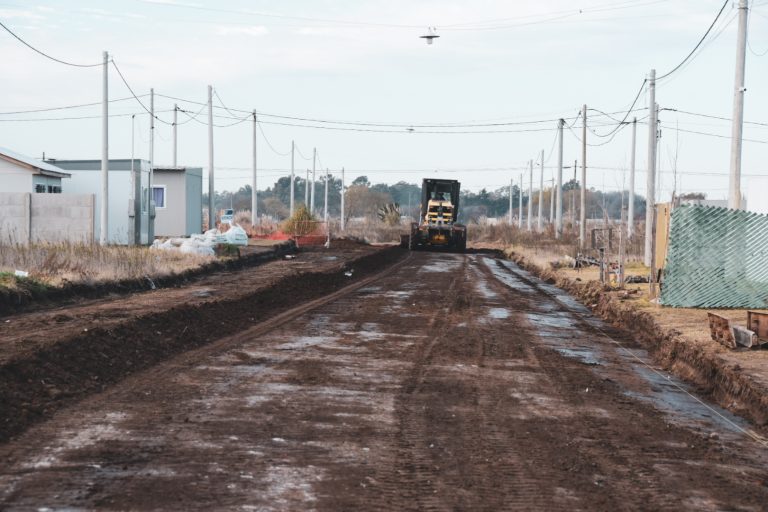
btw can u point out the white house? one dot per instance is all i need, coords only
(20, 173)
(129, 218)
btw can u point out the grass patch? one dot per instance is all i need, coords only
(55, 265)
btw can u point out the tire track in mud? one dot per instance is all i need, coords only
(430, 388)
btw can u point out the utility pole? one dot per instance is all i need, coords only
(631, 202)
(541, 193)
(254, 190)
(325, 201)
(509, 220)
(520, 193)
(136, 177)
(293, 174)
(312, 195)
(342, 199)
(650, 191)
(104, 217)
(211, 212)
(737, 126)
(529, 224)
(151, 178)
(583, 195)
(175, 138)
(552, 202)
(559, 211)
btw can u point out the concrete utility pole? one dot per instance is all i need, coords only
(254, 190)
(175, 138)
(312, 195)
(325, 201)
(342, 199)
(509, 220)
(583, 188)
(559, 206)
(541, 193)
(211, 212)
(650, 190)
(293, 174)
(631, 202)
(737, 126)
(151, 178)
(520, 202)
(136, 180)
(306, 191)
(529, 222)
(104, 217)
(552, 202)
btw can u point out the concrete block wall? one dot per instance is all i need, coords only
(15, 214)
(46, 218)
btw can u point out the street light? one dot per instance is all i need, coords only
(430, 36)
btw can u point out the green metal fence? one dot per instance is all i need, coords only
(717, 258)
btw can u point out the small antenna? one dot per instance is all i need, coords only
(431, 35)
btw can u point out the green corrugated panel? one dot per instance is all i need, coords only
(717, 258)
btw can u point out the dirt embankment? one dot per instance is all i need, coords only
(36, 383)
(697, 363)
(29, 297)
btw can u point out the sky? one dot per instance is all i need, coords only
(509, 69)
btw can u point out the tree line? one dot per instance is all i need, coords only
(363, 199)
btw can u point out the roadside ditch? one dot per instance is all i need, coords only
(726, 383)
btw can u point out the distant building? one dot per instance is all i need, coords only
(178, 196)
(129, 217)
(20, 173)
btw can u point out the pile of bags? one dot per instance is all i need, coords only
(203, 244)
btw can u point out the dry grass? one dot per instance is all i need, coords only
(61, 263)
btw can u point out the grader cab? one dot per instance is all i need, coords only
(438, 226)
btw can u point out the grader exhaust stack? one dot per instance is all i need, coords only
(438, 226)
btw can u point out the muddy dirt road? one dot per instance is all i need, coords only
(451, 382)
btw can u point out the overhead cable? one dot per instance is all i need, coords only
(47, 56)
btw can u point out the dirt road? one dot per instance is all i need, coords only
(452, 382)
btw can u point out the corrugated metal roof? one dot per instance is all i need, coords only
(717, 258)
(37, 164)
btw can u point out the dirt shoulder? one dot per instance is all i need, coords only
(678, 338)
(29, 294)
(55, 357)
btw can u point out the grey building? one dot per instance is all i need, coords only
(20, 173)
(178, 196)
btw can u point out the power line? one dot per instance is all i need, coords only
(372, 124)
(711, 26)
(709, 116)
(66, 107)
(47, 56)
(73, 118)
(134, 94)
(264, 135)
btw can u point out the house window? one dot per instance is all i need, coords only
(40, 189)
(158, 196)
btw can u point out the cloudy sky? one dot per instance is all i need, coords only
(508, 69)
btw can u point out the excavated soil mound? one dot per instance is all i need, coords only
(34, 385)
